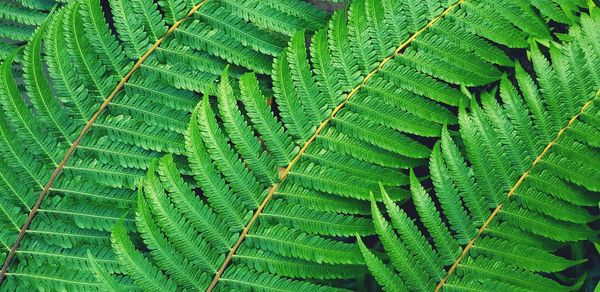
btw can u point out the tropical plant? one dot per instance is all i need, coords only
(516, 192)
(119, 94)
(285, 182)
(263, 193)
(18, 21)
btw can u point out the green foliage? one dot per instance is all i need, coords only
(182, 230)
(19, 19)
(242, 150)
(70, 66)
(538, 186)
(344, 118)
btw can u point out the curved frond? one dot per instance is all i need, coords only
(253, 138)
(292, 176)
(91, 101)
(502, 190)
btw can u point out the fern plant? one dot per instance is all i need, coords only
(379, 77)
(19, 19)
(284, 187)
(518, 189)
(74, 145)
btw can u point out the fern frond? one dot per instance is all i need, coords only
(502, 190)
(334, 108)
(342, 105)
(150, 80)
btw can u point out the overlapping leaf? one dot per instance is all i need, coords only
(518, 190)
(71, 65)
(19, 19)
(343, 118)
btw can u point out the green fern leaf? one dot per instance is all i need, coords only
(251, 183)
(509, 181)
(71, 65)
(324, 122)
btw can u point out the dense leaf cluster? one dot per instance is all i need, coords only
(252, 145)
